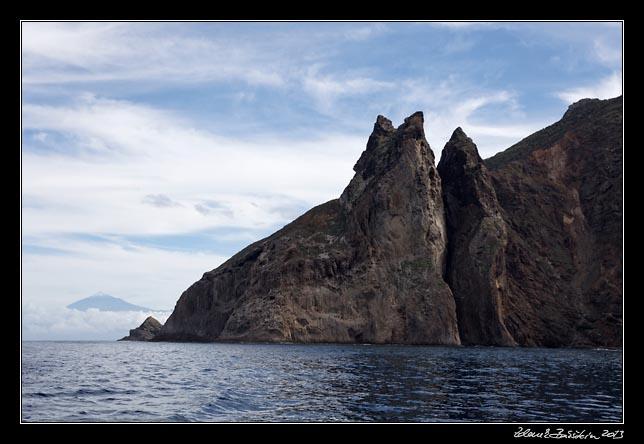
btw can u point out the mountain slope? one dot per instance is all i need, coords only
(521, 249)
(363, 268)
(105, 302)
(560, 190)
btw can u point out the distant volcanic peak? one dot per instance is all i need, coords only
(105, 302)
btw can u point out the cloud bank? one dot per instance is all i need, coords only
(61, 323)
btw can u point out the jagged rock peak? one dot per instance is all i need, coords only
(383, 124)
(460, 141)
(412, 126)
(460, 151)
(386, 148)
(414, 123)
(366, 268)
(459, 134)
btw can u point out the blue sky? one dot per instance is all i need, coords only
(151, 152)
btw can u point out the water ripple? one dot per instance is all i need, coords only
(161, 382)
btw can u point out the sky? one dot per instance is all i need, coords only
(153, 151)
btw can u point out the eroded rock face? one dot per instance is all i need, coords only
(529, 242)
(144, 332)
(476, 269)
(560, 191)
(367, 267)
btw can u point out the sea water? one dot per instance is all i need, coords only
(187, 382)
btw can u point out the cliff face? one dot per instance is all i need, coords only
(522, 249)
(477, 233)
(367, 267)
(560, 191)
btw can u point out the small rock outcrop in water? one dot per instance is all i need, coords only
(521, 249)
(144, 332)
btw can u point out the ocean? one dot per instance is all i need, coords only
(190, 382)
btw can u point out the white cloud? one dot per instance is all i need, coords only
(116, 152)
(608, 52)
(74, 268)
(123, 169)
(586, 41)
(459, 43)
(243, 236)
(605, 88)
(160, 201)
(465, 25)
(483, 115)
(55, 53)
(328, 89)
(58, 54)
(366, 31)
(40, 137)
(58, 323)
(470, 105)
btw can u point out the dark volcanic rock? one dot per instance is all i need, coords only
(363, 268)
(560, 191)
(476, 269)
(144, 332)
(530, 242)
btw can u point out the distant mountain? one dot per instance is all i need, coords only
(105, 302)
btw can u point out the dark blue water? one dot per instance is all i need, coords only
(159, 382)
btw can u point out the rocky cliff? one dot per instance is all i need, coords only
(367, 267)
(560, 191)
(144, 332)
(521, 249)
(477, 233)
